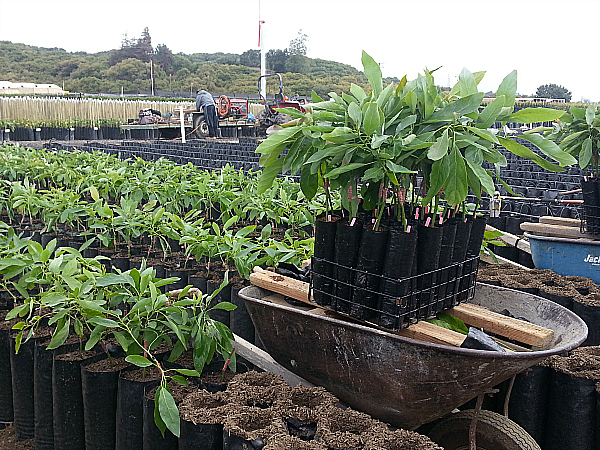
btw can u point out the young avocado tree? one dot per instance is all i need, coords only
(381, 139)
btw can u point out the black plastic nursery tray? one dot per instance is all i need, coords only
(391, 303)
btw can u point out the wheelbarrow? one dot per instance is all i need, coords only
(402, 381)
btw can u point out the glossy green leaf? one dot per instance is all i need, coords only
(358, 92)
(585, 156)
(102, 321)
(355, 113)
(343, 169)
(467, 82)
(488, 116)
(340, 135)
(371, 118)
(508, 89)
(524, 152)
(168, 410)
(373, 73)
(60, 334)
(138, 360)
(578, 113)
(309, 183)
(456, 188)
(484, 178)
(460, 107)
(268, 175)
(590, 114)
(532, 115)
(440, 148)
(550, 149)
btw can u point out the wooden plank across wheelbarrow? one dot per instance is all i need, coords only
(473, 315)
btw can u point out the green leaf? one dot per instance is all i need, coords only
(372, 118)
(188, 372)
(355, 113)
(456, 188)
(484, 134)
(60, 334)
(450, 322)
(309, 183)
(343, 169)
(460, 107)
(484, 178)
(585, 156)
(439, 148)
(590, 114)
(406, 122)
(532, 115)
(268, 175)
(340, 135)
(578, 113)
(157, 419)
(508, 89)
(94, 193)
(467, 82)
(278, 139)
(488, 116)
(550, 149)
(373, 73)
(226, 306)
(138, 360)
(315, 97)
(179, 379)
(358, 92)
(168, 410)
(524, 152)
(102, 321)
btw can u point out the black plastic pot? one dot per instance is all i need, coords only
(220, 315)
(429, 246)
(371, 256)
(449, 230)
(99, 389)
(571, 413)
(240, 322)
(591, 202)
(346, 254)
(394, 300)
(130, 411)
(43, 360)
(476, 236)
(591, 316)
(21, 365)
(322, 270)
(153, 438)
(68, 399)
(6, 396)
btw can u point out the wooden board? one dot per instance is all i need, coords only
(564, 221)
(286, 286)
(545, 229)
(511, 239)
(428, 332)
(491, 322)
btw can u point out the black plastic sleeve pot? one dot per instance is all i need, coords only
(394, 299)
(529, 401)
(21, 365)
(591, 316)
(99, 407)
(322, 271)
(476, 236)
(591, 202)
(130, 413)
(6, 397)
(449, 229)
(429, 246)
(240, 321)
(369, 266)
(153, 438)
(68, 400)
(346, 254)
(571, 413)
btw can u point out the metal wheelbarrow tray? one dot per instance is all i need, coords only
(399, 380)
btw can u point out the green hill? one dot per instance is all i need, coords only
(128, 68)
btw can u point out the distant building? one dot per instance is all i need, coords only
(8, 87)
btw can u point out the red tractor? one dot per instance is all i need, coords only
(269, 116)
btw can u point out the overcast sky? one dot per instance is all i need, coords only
(547, 41)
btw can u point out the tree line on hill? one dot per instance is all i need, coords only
(129, 68)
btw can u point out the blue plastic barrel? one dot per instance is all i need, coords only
(566, 256)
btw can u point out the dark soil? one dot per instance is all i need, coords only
(580, 289)
(142, 374)
(583, 362)
(8, 441)
(178, 391)
(76, 355)
(251, 423)
(107, 365)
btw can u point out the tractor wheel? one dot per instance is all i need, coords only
(200, 126)
(494, 432)
(266, 119)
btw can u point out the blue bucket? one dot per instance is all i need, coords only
(566, 256)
